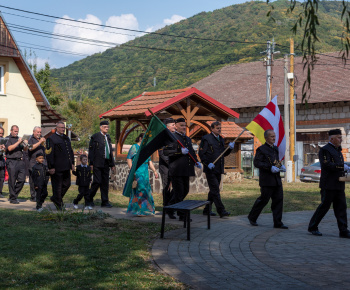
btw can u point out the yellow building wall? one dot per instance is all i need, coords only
(17, 104)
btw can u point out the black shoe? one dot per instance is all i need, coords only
(14, 201)
(344, 235)
(315, 232)
(1, 196)
(172, 216)
(33, 200)
(253, 223)
(282, 226)
(224, 213)
(211, 213)
(182, 218)
(108, 205)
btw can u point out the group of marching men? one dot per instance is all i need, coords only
(54, 157)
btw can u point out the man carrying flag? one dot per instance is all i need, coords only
(182, 160)
(268, 159)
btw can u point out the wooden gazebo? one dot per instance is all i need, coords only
(195, 106)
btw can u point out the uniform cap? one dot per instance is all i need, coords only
(180, 120)
(39, 154)
(104, 123)
(334, 132)
(168, 121)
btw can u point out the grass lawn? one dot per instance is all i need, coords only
(37, 252)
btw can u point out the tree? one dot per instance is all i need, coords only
(309, 20)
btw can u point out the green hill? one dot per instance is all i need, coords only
(123, 72)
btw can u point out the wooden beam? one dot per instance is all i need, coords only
(194, 111)
(117, 133)
(197, 118)
(188, 113)
(182, 110)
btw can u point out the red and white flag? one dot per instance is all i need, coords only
(270, 118)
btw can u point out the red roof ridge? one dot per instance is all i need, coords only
(165, 92)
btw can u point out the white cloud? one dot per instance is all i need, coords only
(168, 21)
(40, 62)
(128, 21)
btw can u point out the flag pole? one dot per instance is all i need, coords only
(228, 147)
(175, 139)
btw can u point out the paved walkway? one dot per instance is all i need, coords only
(235, 255)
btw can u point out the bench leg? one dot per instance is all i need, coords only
(163, 225)
(209, 216)
(188, 217)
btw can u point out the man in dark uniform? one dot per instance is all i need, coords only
(35, 146)
(181, 165)
(15, 163)
(100, 160)
(332, 190)
(2, 162)
(164, 170)
(60, 161)
(267, 160)
(212, 145)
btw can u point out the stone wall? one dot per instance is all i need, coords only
(198, 183)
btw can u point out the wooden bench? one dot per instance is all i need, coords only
(185, 206)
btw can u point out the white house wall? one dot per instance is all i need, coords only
(18, 105)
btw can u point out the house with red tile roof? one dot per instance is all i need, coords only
(242, 87)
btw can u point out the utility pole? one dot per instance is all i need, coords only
(268, 71)
(291, 108)
(286, 112)
(270, 51)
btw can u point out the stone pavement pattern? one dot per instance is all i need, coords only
(235, 255)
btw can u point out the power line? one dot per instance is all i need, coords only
(133, 30)
(89, 41)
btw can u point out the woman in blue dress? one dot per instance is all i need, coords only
(141, 199)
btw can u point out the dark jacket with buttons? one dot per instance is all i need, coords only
(267, 156)
(163, 162)
(59, 153)
(97, 150)
(209, 150)
(180, 164)
(83, 175)
(40, 175)
(332, 167)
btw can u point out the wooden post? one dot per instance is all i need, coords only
(188, 117)
(291, 108)
(117, 136)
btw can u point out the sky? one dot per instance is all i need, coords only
(142, 15)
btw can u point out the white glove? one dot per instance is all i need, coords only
(198, 165)
(283, 168)
(346, 168)
(184, 151)
(275, 169)
(231, 145)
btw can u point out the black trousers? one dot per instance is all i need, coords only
(181, 187)
(41, 195)
(100, 180)
(61, 182)
(167, 192)
(2, 178)
(17, 177)
(267, 192)
(214, 180)
(83, 192)
(337, 197)
(31, 186)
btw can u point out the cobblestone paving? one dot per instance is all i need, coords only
(235, 255)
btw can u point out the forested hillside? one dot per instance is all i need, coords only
(123, 72)
(234, 34)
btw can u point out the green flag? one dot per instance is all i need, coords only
(157, 136)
